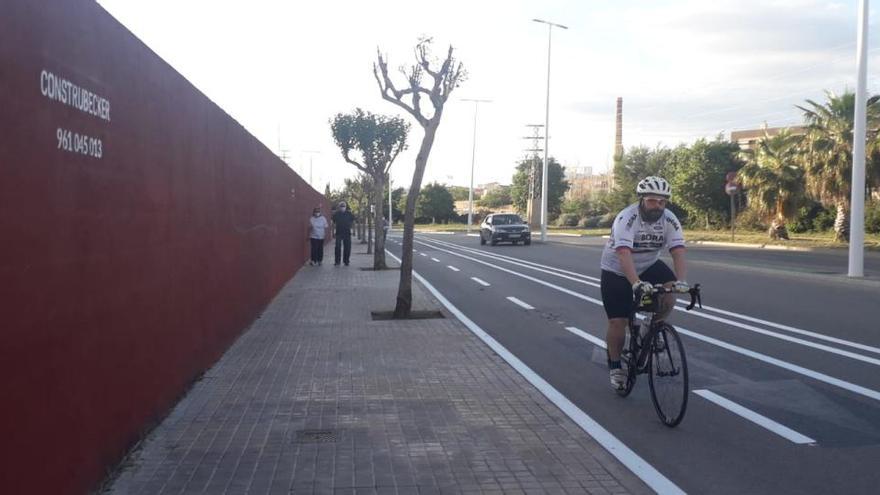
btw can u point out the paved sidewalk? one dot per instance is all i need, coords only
(316, 398)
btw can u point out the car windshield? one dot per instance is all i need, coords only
(506, 220)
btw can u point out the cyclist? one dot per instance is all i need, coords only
(631, 261)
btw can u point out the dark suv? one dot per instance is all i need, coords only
(504, 227)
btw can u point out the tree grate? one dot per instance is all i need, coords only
(315, 436)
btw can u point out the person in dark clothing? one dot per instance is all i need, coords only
(342, 221)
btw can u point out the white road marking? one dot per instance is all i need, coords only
(646, 472)
(791, 329)
(584, 335)
(481, 282)
(775, 335)
(414, 250)
(702, 314)
(422, 254)
(852, 387)
(453, 268)
(758, 419)
(435, 259)
(519, 303)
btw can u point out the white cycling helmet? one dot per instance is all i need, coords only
(654, 185)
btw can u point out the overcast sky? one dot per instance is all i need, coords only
(685, 69)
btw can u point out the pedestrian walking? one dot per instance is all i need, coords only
(317, 231)
(342, 222)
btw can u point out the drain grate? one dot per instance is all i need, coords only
(316, 436)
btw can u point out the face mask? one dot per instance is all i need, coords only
(341, 208)
(317, 214)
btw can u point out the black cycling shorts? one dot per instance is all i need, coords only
(617, 294)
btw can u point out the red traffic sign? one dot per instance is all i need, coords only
(731, 188)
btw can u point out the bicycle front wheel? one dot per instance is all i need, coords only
(668, 376)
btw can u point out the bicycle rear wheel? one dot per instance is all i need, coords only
(668, 376)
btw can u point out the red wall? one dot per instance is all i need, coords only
(124, 276)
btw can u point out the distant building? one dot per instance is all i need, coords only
(585, 185)
(484, 188)
(747, 139)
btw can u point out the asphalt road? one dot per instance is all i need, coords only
(783, 335)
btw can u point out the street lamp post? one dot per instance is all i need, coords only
(544, 191)
(857, 194)
(311, 154)
(473, 156)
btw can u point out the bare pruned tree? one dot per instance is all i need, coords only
(441, 81)
(378, 139)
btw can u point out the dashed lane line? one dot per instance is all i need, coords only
(520, 303)
(758, 419)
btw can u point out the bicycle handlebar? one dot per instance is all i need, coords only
(694, 291)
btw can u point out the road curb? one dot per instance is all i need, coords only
(752, 246)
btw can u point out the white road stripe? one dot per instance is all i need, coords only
(852, 387)
(791, 329)
(481, 282)
(873, 394)
(584, 335)
(702, 314)
(805, 343)
(435, 259)
(519, 303)
(758, 419)
(453, 268)
(422, 254)
(646, 472)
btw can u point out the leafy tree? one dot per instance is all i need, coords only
(435, 202)
(355, 192)
(697, 175)
(556, 183)
(579, 207)
(378, 139)
(444, 79)
(499, 196)
(634, 165)
(459, 193)
(828, 160)
(774, 179)
(398, 203)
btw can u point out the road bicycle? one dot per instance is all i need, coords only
(656, 350)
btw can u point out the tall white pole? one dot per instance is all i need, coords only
(473, 156)
(473, 159)
(390, 208)
(544, 191)
(857, 198)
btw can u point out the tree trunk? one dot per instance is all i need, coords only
(404, 290)
(378, 199)
(369, 234)
(841, 223)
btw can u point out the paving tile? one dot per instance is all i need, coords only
(417, 406)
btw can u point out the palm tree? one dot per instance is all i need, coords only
(828, 146)
(774, 179)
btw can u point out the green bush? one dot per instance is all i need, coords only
(567, 220)
(824, 221)
(590, 222)
(749, 219)
(872, 217)
(806, 217)
(606, 220)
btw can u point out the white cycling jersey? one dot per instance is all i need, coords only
(643, 238)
